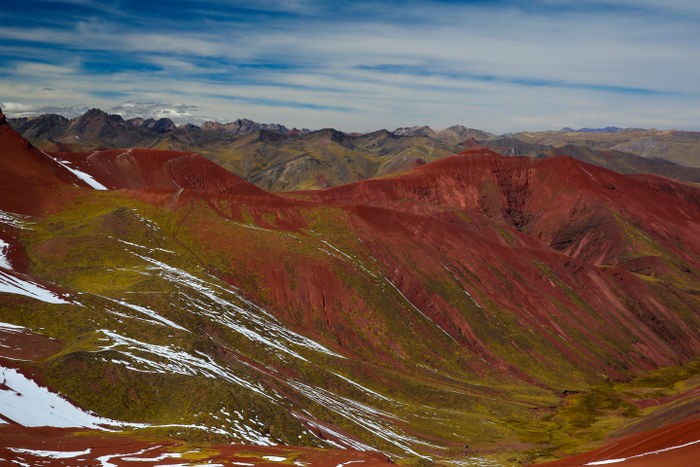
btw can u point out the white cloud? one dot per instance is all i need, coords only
(497, 68)
(177, 112)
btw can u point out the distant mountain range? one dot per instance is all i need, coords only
(277, 158)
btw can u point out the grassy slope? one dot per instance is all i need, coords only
(438, 393)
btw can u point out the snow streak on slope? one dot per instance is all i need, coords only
(420, 311)
(169, 359)
(375, 421)
(14, 220)
(150, 313)
(52, 454)
(346, 257)
(344, 442)
(13, 328)
(14, 284)
(359, 386)
(87, 178)
(658, 451)
(25, 402)
(231, 309)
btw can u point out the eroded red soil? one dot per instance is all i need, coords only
(675, 445)
(68, 447)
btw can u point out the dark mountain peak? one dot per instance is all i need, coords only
(97, 115)
(383, 133)
(212, 126)
(94, 113)
(187, 127)
(98, 126)
(331, 135)
(136, 121)
(458, 133)
(100, 115)
(243, 126)
(457, 129)
(162, 125)
(43, 127)
(415, 131)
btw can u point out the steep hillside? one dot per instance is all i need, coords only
(676, 146)
(477, 309)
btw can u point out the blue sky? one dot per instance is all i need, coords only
(502, 66)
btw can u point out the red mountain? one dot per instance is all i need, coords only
(474, 308)
(27, 174)
(150, 169)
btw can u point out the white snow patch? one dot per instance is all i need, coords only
(4, 251)
(7, 327)
(85, 177)
(17, 221)
(350, 462)
(193, 465)
(104, 460)
(51, 454)
(274, 458)
(609, 461)
(15, 285)
(658, 451)
(29, 404)
(165, 455)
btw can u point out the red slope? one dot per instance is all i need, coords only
(562, 213)
(27, 174)
(557, 212)
(85, 448)
(568, 204)
(675, 445)
(150, 169)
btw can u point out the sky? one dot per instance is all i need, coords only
(501, 66)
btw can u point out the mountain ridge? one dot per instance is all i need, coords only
(278, 159)
(411, 314)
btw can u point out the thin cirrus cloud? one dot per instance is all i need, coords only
(502, 66)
